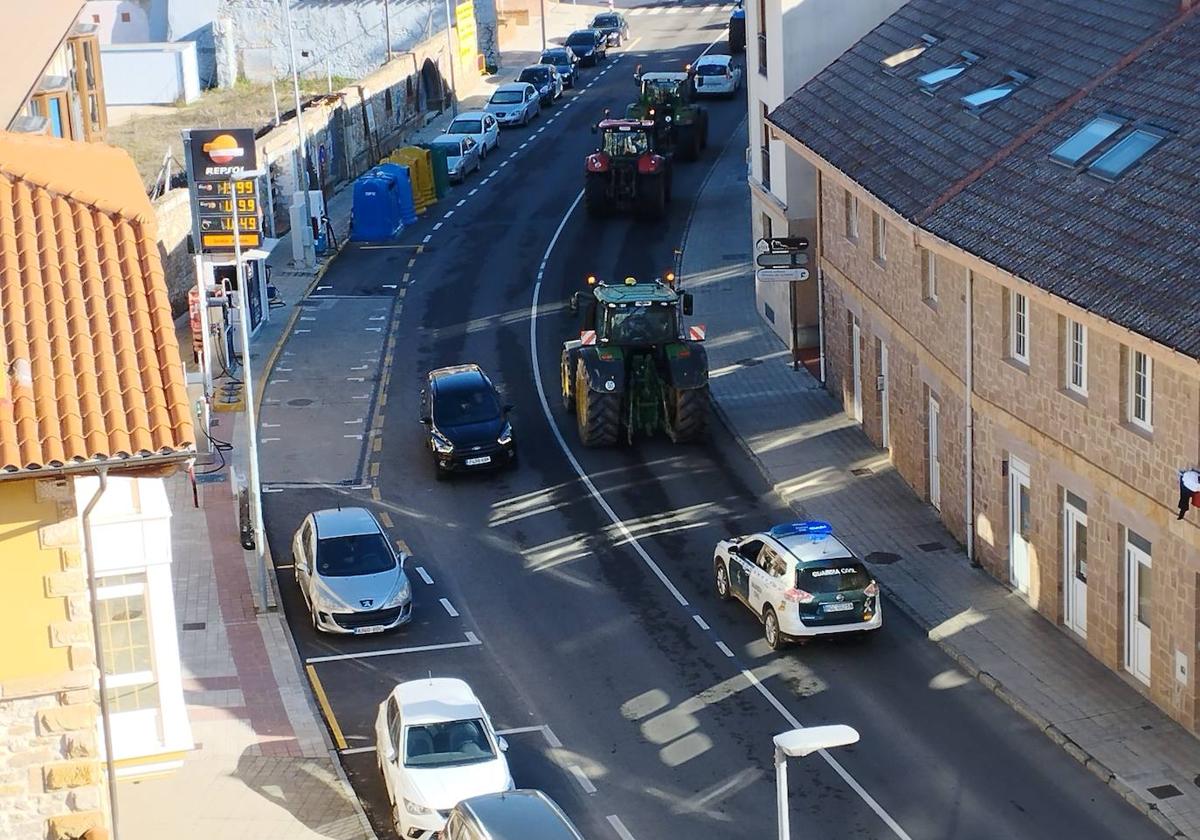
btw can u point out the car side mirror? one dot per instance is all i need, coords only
(687, 303)
(502, 742)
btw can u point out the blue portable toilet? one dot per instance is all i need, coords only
(376, 214)
(404, 192)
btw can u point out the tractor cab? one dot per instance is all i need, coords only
(665, 88)
(632, 313)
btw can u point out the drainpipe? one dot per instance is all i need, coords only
(820, 279)
(109, 762)
(969, 449)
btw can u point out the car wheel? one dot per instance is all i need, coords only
(722, 582)
(771, 629)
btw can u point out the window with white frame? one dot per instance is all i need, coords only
(878, 237)
(1018, 328)
(1141, 389)
(929, 285)
(1076, 357)
(851, 206)
(126, 643)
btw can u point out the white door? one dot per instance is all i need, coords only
(1019, 529)
(1137, 612)
(935, 465)
(856, 368)
(1075, 566)
(886, 427)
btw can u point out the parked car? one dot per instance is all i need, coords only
(515, 815)
(469, 428)
(351, 578)
(481, 127)
(716, 75)
(737, 28)
(613, 26)
(436, 746)
(546, 79)
(564, 60)
(589, 45)
(799, 580)
(515, 103)
(462, 155)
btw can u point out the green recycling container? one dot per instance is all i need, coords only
(441, 173)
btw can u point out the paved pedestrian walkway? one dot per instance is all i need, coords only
(808, 448)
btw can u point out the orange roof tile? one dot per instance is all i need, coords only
(90, 372)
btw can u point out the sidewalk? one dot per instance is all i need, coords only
(807, 446)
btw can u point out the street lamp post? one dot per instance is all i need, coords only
(387, 29)
(450, 59)
(542, 5)
(797, 743)
(306, 235)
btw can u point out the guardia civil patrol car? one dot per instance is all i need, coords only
(800, 580)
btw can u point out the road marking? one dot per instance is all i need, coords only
(463, 201)
(581, 777)
(428, 236)
(269, 440)
(319, 288)
(270, 425)
(323, 702)
(513, 155)
(298, 332)
(449, 213)
(485, 180)
(285, 565)
(724, 648)
(472, 192)
(703, 624)
(357, 750)
(438, 226)
(303, 485)
(283, 370)
(271, 490)
(361, 396)
(472, 641)
(546, 731)
(619, 827)
(356, 379)
(307, 318)
(523, 145)
(352, 437)
(449, 607)
(633, 541)
(540, 130)
(424, 575)
(376, 495)
(360, 367)
(503, 163)
(377, 318)
(407, 275)
(386, 519)
(375, 470)
(374, 329)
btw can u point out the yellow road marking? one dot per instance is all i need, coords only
(403, 546)
(375, 470)
(323, 702)
(407, 274)
(420, 249)
(385, 518)
(378, 444)
(412, 261)
(376, 495)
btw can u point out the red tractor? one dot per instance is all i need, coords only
(627, 172)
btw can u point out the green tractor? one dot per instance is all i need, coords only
(635, 369)
(681, 126)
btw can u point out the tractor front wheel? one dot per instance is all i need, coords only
(568, 399)
(597, 413)
(689, 414)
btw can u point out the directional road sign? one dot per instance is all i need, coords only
(781, 275)
(774, 260)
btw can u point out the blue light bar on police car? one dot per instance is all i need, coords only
(812, 528)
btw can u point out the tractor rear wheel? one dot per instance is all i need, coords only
(597, 414)
(568, 399)
(594, 196)
(689, 414)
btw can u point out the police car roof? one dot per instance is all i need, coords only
(810, 542)
(629, 294)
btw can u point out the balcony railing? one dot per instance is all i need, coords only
(762, 53)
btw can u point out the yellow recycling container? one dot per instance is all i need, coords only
(420, 167)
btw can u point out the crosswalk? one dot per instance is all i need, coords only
(645, 11)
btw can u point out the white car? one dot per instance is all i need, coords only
(716, 75)
(481, 127)
(462, 155)
(436, 747)
(515, 103)
(800, 581)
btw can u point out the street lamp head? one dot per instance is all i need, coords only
(797, 743)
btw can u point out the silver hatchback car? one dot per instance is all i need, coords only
(351, 578)
(515, 103)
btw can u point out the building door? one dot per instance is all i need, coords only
(1075, 563)
(885, 429)
(856, 367)
(1137, 611)
(1019, 529)
(935, 464)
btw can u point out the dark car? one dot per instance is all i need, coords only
(563, 60)
(589, 45)
(612, 26)
(546, 79)
(468, 425)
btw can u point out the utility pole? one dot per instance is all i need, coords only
(450, 56)
(387, 29)
(306, 233)
(542, 6)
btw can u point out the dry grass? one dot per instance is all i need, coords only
(147, 137)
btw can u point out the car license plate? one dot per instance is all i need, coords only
(837, 607)
(475, 462)
(374, 628)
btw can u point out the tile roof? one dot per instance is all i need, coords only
(986, 184)
(90, 371)
(31, 34)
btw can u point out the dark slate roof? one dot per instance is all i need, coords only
(986, 184)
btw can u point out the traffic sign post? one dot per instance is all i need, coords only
(782, 259)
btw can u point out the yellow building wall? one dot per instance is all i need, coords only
(26, 611)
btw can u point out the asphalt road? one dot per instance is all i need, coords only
(643, 704)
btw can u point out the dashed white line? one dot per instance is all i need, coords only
(352, 437)
(703, 624)
(352, 422)
(471, 641)
(357, 750)
(581, 777)
(449, 213)
(614, 821)
(449, 607)
(270, 425)
(522, 146)
(283, 370)
(485, 180)
(424, 575)
(277, 380)
(428, 236)
(503, 163)
(472, 192)
(546, 731)
(463, 201)
(513, 155)
(724, 648)
(356, 379)
(269, 440)
(438, 226)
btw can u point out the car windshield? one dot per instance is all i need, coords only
(357, 554)
(465, 127)
(558, 57)
(533, 76)
(460, 407)
(447, 744)
(710, 70)
(452, 147)
(661, 89)
(604, 20)
(848, 576)
(507, 97)
(581, 39)
(640, 324)
(621, 143)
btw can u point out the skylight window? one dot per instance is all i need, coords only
(934, 79)
(981, 99)
(906, 55)
(1076, 147)
(1132, 148)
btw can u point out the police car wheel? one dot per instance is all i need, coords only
(722, 582)
(771, 630)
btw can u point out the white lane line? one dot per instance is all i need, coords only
(503, 163)
(540, 130)
(513, 155)
(352, 437)
(438, 226)
(449, 607)
(269, 440)
(472, 192)
(283, 370)
(428, 236)
(356, 379)
(390, 286)
(449, 213)
(546, 731)
(472, 641)
(323, 288)
(284, 565)
(277, 381)
(631, 540)
(352, 422)
(463, 201)
(703, 624)
(424, 575)
(485, 180)
(724, 648)
(270, 425)
(522, 146)
(357, 750)
(614, 821)
(552, 119)
(581, 777)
